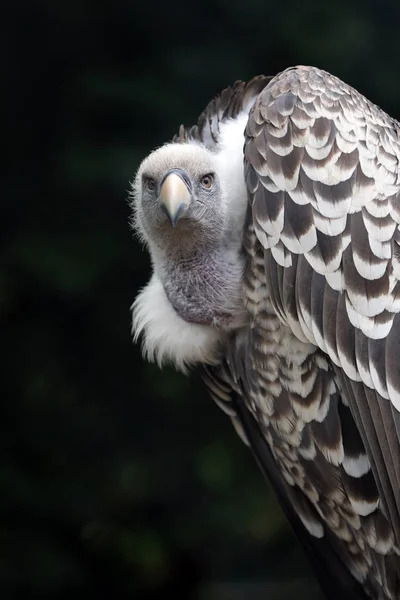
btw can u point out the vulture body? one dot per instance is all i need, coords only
(273, 228)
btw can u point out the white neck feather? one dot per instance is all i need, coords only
(168, 338)
(230, 169)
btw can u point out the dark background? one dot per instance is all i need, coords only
(118, 480)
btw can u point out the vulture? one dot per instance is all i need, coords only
(273, 227)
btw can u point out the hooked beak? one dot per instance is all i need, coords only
(174, 198)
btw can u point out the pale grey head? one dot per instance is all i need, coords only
(177, 199)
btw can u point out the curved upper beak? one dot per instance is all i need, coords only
(174, 198)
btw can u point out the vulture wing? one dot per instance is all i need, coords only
(322, 370)
(313, 385)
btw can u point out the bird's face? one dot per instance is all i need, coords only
(178, 198)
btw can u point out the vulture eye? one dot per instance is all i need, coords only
(150, 183)
(207, 181)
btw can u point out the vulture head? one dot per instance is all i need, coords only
(189, 207)
(180, 200)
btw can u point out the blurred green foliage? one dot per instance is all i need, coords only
(118, 480)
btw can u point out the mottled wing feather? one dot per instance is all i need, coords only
(227, 105)
(329, 189)
(325, 551)
(322, 170)
(333, 575)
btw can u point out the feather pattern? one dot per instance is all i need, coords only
(318, 370)
(336, 157)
